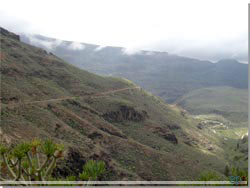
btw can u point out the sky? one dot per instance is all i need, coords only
(204, 29)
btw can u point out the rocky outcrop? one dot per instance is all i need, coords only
(71, 165)
(244, 138)
(4, 138)
(125, 113)
(166, 134)
(73, 162)
(95, 135)
(174, 126)
(9, 34)
(200, 126)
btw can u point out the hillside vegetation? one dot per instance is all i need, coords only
(200, 87)
(135, 133)
(229, 102)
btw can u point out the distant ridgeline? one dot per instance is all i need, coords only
(168, 76)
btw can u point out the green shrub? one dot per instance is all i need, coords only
(209, 176)
(92, 170)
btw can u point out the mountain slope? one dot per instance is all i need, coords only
(168, 76)
(227, 101)
(137, 135)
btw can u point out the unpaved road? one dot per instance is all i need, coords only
(96, 95)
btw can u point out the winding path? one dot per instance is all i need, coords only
(97, 95)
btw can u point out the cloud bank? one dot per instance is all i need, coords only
(236, 48)
(202, 29)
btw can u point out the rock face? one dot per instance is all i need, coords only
(200, 126)
(95, 135)
(166, 134)
(71, 165)
(244, 138)
(174, 126)
(9, 34)
(4, 138)
(125, 113)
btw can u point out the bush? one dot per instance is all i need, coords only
(92, 170)
(210, 176)
(238, 175)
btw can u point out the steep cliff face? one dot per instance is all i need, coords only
(137, 135)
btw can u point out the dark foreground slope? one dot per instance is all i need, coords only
(135, 133)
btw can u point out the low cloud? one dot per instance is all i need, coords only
(131, 51)
(213, 51)
(50, 45)
(99, 48)
(149, 53)
(76, 46)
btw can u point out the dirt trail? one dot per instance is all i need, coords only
(97, 95)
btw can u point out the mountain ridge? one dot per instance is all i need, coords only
(136, 134)
(165, 75)
(27, 37)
